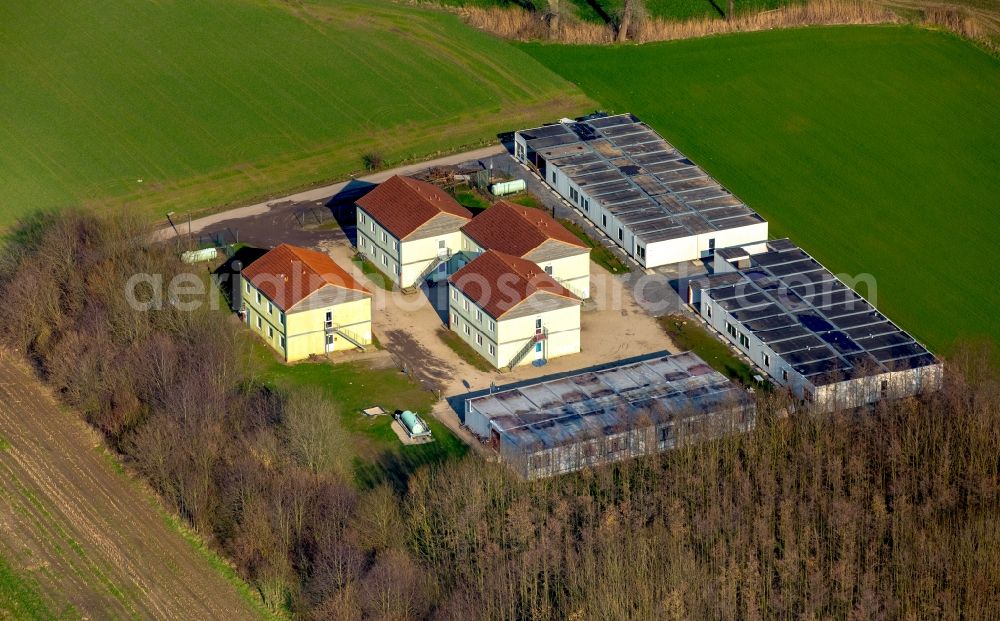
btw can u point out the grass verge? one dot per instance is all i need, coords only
(463, 350)
(689, 335)
(598, 253)
(373, 273)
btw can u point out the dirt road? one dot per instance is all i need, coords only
(90, 536)
(321, 194)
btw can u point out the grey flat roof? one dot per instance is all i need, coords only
(640, 178)
(806, 315)
(608, 401)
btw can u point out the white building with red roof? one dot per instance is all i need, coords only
(512, 312)
(409, 229)
(534, 235)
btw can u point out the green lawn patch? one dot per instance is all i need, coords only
(4, 444)
(20, 597)
(377, 453)
(525, 199)
(183, 106)
(598, 253)
(463, 350)
(689, 335)
(470, 199)
(874, 148)
(373, 273)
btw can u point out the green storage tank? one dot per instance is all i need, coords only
(414, 426)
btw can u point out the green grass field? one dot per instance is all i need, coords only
(211, 103)
(875, 148)
(600, 10)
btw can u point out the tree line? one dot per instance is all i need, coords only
(889, 512)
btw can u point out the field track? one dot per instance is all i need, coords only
(90, 537)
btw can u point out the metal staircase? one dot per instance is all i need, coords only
(528, 347)
(351, 337)
(572, 288)
(442, 257)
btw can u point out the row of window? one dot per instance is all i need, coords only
(765, 358)
(270, 328)
(270, 306)
(385, 235)
(375, 251)
(457, 321)
(490, 324)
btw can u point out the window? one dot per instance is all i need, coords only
(553, 176)
(493, 350)
(281, 342)
(730, 329)
(362, 218)
(454, 319)
(709, 309)
(665, 433)
(586, 205)
(373, 226)
(604, 219)
(249, 313)
(395, 244)
(621, 235)
(385, 237)
(385, 260)
(467, 330)
(281, 318)
(479, 339)
(270, 332)
(270, 308)
(397, 270)
(744, 341)
(247, 286)
(454, 294)
(784, 375)
(260, 324)
(538, 323)
(479, 315)
(258, 297)
(492, 325)
(548, 270)
(465, 303)
(767, 359)
(640, 251)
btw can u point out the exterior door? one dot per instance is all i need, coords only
(328, 328)
(539, 353)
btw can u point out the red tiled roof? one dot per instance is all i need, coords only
(517, 230)
(289, 274)
(498, 282)
(404, 204)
